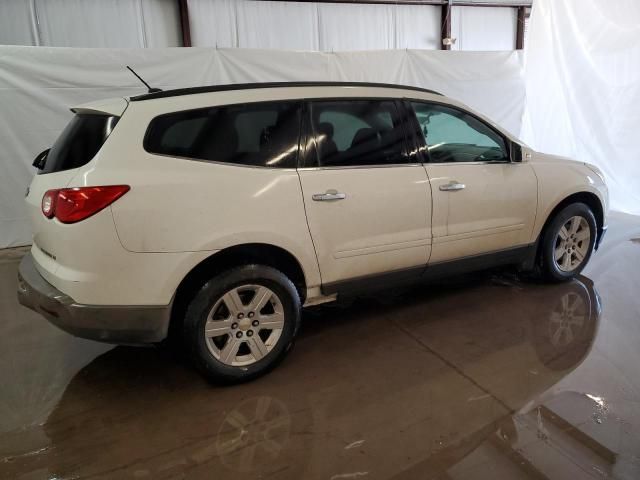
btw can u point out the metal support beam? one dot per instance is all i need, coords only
(520, 28)
(445, 25)
(491, 4)
(372, 2)
(184, 23)
(459, 3)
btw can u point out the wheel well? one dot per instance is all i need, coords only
(263, 254)
(589, 199)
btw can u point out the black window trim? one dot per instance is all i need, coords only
(421, 145)
(307, 134)
(413, 145)
(298, 101)
(417, 149)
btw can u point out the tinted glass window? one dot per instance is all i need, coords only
(79, 142)
(452, 135)
(258, 134)
(357, 132)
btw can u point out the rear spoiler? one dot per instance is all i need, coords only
(109, 106)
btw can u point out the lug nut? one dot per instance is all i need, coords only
(239, 334)
(234, 325)
(255, 323)
(251, 314)
(249, 333)
(240, 316)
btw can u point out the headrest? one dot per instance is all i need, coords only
(326, 128)
(364, 135)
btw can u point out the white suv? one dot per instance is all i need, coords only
(214, 214)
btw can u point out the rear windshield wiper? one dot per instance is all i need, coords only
(41, 159)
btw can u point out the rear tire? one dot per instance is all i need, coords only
(242, 323)
(567, 243)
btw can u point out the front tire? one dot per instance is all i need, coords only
(242, 323)
(568, 242)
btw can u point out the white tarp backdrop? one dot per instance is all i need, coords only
(39, 84)
(582, 73)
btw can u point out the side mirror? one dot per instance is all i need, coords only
(41, 159)
(516, 152)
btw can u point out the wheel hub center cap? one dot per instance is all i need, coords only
(244, 324)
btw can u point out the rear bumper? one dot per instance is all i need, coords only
(105, 323)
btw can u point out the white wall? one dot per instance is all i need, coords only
(343, 27)
(251, 24)
(90, 23)
(484, 28)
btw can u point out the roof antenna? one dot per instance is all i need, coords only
(149, 89)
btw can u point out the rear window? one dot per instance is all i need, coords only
(79, 142)
(255, 134)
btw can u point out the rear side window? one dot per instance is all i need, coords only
(79, 142)
(256, 134)
(357, 132)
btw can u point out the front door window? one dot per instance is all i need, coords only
(452, 135)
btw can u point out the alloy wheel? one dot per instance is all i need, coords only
(244, 325)
(572, 244)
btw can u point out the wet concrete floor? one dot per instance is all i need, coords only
(485, 376)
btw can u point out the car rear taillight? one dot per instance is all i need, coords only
(49, 203)
(71, 205)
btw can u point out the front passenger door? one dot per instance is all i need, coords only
(482, 201)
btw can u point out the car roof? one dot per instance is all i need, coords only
(252, 86)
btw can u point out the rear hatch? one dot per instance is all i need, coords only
(76, 146)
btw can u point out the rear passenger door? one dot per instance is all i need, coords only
(367, 200)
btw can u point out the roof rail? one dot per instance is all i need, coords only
(248, 86)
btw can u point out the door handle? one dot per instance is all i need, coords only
(329, 196)
(452, 186)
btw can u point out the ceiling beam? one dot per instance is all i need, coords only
(491, 4)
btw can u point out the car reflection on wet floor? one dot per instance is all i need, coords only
(470, 378)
